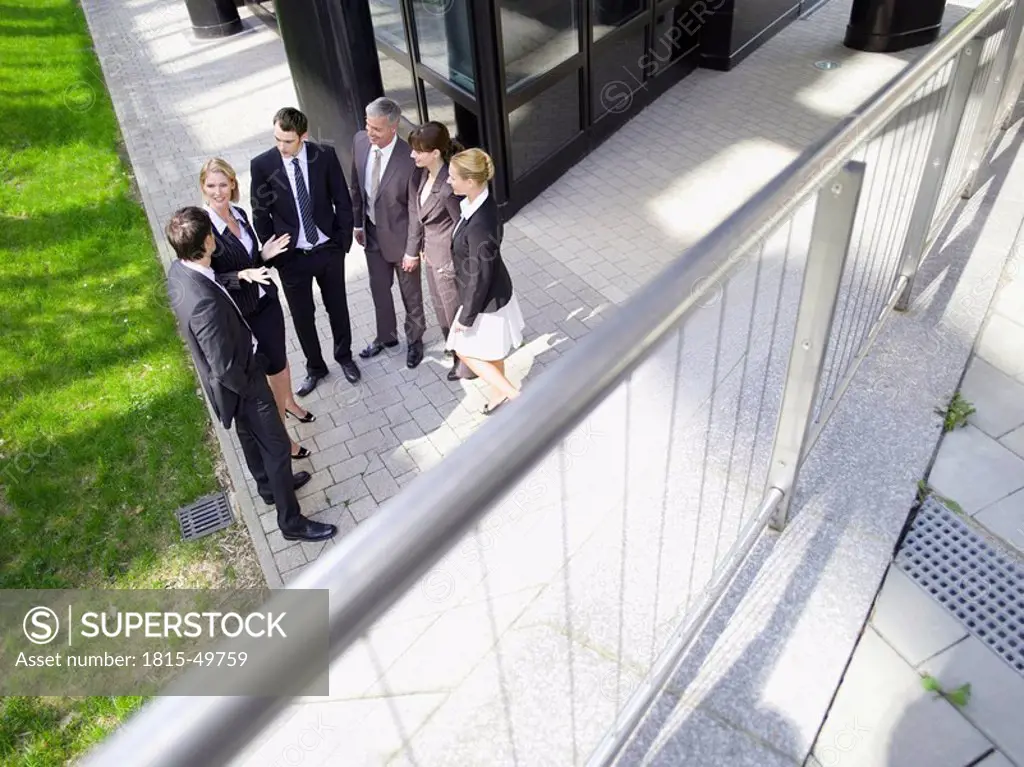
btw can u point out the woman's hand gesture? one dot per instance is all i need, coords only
(275, 246)
(258, 274)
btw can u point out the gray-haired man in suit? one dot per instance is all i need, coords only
(382, 169)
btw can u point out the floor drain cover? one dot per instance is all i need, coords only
(976, 581)
(207, 515)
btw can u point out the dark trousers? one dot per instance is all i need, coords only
(268, 450)
(410, 285)
(325, 264)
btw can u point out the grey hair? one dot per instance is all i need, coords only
(384, 107)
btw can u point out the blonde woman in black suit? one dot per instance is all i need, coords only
(238, 262)
(489, 323)
(433, 211)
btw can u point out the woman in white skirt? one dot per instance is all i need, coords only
(488, 323)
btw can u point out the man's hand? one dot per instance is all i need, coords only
(410, 263)
(258, 274)
(274, 247)
(360, 237)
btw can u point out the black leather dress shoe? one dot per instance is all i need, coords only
(299, 478)
(376, 348)
(303, 529)
(308, 384)
(415, 354)
(351, 371)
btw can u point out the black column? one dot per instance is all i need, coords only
(488, 73)
(333, 60)
(213, 18)
(886, 26)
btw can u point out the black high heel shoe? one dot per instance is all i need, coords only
(303, 453)
(308, 419)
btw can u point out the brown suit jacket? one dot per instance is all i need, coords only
(392, 208)
(431, 224)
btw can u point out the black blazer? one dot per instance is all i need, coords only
(484, 282)
(274, 207)
(218, 338)
(231, 257)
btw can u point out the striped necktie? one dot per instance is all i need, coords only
(305, 206)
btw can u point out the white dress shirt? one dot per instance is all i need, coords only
(243, 238)
(469, 208)
(209, 274)
(301, 242)
(385, 155)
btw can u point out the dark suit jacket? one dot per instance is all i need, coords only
(275, 209)
(484, 282)
(231, 257)
(431, 224)
(392, 209)
(218, 338)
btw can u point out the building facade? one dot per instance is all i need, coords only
(537, 83)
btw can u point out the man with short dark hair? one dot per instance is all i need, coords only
(233, 372)
(298, 188)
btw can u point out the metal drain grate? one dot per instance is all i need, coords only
(207, 515)
(978, 583)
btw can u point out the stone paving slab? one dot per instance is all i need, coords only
(883, 716)
(997, 759)
(997, 693)
(1015, 441)
(974, 470)
(911, 621)
(1005, 519)
(1000, 396)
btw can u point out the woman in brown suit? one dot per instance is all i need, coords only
(433, 212)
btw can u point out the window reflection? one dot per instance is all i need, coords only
(608, 14)
(398, 86)
(616, 73)
(462, 124)
(537, 35)
(445, 44)
(675, 35)
(540, 127)
(387, 23)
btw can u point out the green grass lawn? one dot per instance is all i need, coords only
(102, 433)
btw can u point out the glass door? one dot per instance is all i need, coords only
(425, 51)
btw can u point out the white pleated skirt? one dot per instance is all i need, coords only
(494, 335)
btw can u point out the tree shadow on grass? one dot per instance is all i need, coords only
(91, 505)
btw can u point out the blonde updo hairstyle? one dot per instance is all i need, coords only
(217, 165)
(474, 165)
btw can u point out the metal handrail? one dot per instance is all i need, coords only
(371, 568)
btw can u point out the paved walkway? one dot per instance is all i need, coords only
(882, 715)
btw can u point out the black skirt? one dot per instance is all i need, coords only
(267, 324)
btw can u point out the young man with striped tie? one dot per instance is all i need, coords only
(298, 188)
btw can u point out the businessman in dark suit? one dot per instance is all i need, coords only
(381, 174)
(298, 188)
(233, 372)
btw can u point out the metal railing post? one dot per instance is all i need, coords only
(994, 90)
(939, 154)
(1012, 88)
(1014, 85)
(830, 242)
